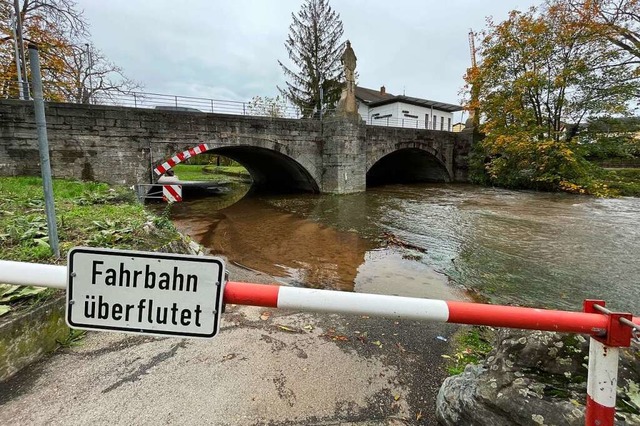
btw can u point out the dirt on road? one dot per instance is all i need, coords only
(266, 367)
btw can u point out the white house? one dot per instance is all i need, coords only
(377, 107)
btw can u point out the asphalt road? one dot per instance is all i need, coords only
(266, 367)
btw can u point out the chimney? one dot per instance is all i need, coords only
(383, 90)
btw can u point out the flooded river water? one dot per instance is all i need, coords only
(427, 240)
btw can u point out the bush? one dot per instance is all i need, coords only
(605, 147)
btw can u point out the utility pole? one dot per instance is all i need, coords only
(474, 113)
(20, 43)
(90, 67)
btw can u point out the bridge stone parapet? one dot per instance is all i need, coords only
(122, 145)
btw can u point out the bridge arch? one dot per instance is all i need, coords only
(271, 168)
(407, 162)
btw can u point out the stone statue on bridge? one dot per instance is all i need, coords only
(347, 105)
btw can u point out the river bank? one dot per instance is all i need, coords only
(88, 214)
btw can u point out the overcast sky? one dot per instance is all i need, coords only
(229, 49)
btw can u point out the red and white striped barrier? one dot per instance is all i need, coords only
(603, 351)
(172, 193)
(601, 383)
(306, 299)
(180, 157)
(608, 330)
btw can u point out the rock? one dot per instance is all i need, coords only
(183, 244)
(532, 378)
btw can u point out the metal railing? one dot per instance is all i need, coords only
(159, 101)
(406, 122)
(195, 104)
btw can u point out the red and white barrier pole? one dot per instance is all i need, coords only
(172, 193)
(601, 384)
(39, 275)
(588, 322)
(609, 330)
(306, 299)
(604, 353)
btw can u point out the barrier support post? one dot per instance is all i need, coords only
(602, 377)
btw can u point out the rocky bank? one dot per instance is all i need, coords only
(534, 378)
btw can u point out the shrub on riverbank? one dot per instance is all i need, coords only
(88, 214)
(515, 163)
(625, 182)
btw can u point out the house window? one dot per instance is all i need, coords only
(426, 121)
(441, 123)
(435, 122)
(449, 123)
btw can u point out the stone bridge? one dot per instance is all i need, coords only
(123, 145)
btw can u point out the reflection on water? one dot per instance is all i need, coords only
(388, 271)
(256, 234)
(515, 247)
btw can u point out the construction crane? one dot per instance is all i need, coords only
(472, 47)
(473, 119)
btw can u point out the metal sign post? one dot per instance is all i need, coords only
(43, 144)
(604, 353)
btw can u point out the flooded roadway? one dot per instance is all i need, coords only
(528, 248)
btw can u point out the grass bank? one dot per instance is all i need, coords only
(196, 172)
(88, 214)
(624, 182)
(470, 345)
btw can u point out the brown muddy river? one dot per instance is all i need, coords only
(527, 248)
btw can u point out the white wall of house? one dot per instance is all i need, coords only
(400, 114)
(383, 115)
(363, 110)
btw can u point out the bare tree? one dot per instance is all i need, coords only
(616, 20)
(52, 24)
(267, 106)
(73, 69)
(89, 77)
(63, 14)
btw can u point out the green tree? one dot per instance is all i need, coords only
(314, 46)
(540, 70)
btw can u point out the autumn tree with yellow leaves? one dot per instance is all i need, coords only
(542, 73)
(73, 70)
(618, 21)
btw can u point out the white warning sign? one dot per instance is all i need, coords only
(148, 293)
